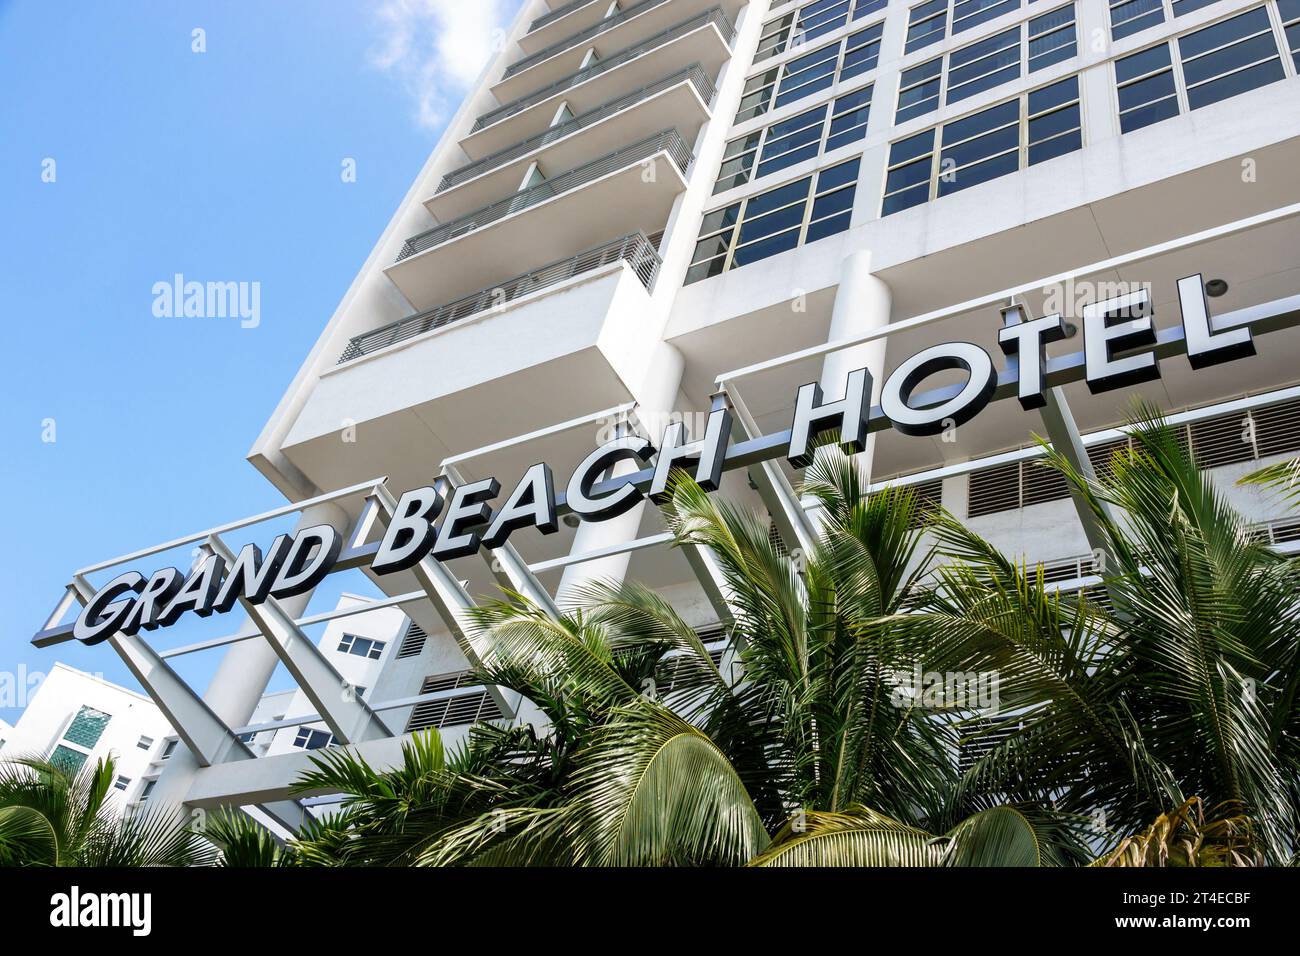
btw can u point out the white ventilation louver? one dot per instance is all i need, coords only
(454, 711)
(412, 642)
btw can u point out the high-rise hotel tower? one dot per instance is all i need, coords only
(648, 209)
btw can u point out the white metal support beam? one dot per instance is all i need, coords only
(206, 735)
(774, 488)
(453, 604)
(349, 717)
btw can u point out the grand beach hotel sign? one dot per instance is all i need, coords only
(1122, 347)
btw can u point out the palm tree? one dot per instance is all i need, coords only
(808, 756)
(1184, 687)
(1173, 691)
(50, 816)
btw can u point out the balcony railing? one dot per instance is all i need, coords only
(591, 32)
(548, 18)
(694, 74)
(668, 140)
(635, 249)
(716, 16)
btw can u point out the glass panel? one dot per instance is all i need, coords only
(87, 727)
(970, 13)
(767, 247)
(67, 759)
(980, 173)
(1147, 61)
(1132, 16)
(1057, 94)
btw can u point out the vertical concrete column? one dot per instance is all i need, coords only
(862, 304)
(1100, 104)
(243, 674)
(656, 399)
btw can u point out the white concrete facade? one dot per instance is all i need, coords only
(114, 722)
(586, 251)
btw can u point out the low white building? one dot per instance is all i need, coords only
(75, 718)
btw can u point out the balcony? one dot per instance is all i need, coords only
(558, 217)
(704, 39)
(635, 249)
(563, 349)
(626, 27)
(680, 100)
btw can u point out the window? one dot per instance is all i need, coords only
(1052, 38)
(169, 749)
(988, 63)
(249, 738)
(775, 221)
(918, 91)
(148, 789)
(810, 73)
(971, 13)
(121, 783)
(927, 22)
(795, 140)
(1002, 139)
(310, 739)
(144, 743)
(362, 646)
(67, 759)
(1229, 58)
(87, 727)
(1145, 83)
(1290, 13)
(1225, 59)
(813, 20)
(1128, 17)
(984, 65)
(1133, 16)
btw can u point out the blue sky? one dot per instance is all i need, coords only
(222, 165)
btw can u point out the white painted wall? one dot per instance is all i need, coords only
(55, 704)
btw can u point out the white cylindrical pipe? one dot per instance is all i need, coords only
(242, 676)
(862, 304)
(657, 401)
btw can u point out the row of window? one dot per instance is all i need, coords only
(819, 130)
(931, 21)
(1128, 17)
(811, 73)
(775, 221)
(1225, 59)
(1222, 60)
(1013, 135)
(809, 22)
(1006, 56)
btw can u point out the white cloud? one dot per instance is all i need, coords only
(437, 48)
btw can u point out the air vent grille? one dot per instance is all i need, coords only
(412, 641)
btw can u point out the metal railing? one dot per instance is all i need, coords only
(595, 30)
(716, 16)
(635, 249)
(668, 140)
(548, 18)
(694, 74)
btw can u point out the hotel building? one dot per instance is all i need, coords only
(652, 208)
